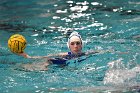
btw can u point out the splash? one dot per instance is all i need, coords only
(119, 75)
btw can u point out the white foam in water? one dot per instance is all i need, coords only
(82, 3)
(95, 3)
(61, 11)
(78, 15)
(118, 74)
(79, 8)
(34, 35)
(56, 17)
(69, 1)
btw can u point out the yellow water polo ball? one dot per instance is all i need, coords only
(17, 43)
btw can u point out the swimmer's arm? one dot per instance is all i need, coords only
(40, 57)
(58, 55)
(91, 52)
(97, 51)
(32, 57)
(103, 51)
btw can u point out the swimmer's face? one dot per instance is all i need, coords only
(75, 44)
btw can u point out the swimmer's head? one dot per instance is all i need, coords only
(75, 39)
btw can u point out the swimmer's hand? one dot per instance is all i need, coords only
(24, 55)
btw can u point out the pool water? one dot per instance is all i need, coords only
(105, 25)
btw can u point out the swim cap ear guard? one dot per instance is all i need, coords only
(74, 33)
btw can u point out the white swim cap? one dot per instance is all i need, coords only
(74, 36)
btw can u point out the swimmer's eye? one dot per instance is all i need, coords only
(77, 43)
